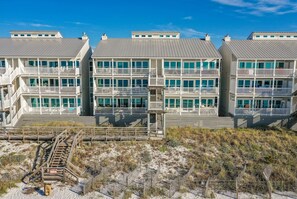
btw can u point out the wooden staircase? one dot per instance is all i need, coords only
(58, 166)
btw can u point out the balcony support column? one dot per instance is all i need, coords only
(181, 85)
(131, 92)
(39, 86)
(112, 83)
(254, 91)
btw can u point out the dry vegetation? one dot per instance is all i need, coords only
(220, 154)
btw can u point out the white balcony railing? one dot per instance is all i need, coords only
(121, 110)
(264, 92)
(51, 89)
(262, 111)
(120, 71)
(121, 91)
(48, 71)
(195, 91)
(265, 72)
(192, 72)
(53, 110)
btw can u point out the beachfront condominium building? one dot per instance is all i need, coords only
(259, 75)
(42, 73)
(155, 73)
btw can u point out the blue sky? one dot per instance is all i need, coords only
(117, 18)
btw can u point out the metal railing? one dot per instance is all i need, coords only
(121, 71)
(265, 72)
(262, 91)
(121, 91)
(191, 72)
(186, 90)
(262, 111)
(121, 110)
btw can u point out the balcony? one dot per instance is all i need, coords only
(54, 110)
(121, 71)
(120, 110)
(264, 92)
(121, 91)
(265, 72)
(192, 72)
(51, 90)
(262, 111)
(204, 111)
(46, 71)
(195, 91)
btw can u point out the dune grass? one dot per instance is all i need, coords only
(223, 153)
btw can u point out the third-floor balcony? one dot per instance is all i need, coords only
(47, 71)
(265, 72)
(121, 71)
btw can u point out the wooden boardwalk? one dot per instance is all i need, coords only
(89, 134)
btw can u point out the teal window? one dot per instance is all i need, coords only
(248, 65)
(196, 103)
(260, 65)
(172, 64)
(45, 102)
(122, 83)
(100, 102)
(78, 82)
(172, 103)
(145, 64)
(197, 83)
(257, 36)
(198, 65)
(187, 103)
(100, 64)
(210, 83)
(31, 63)
(63, 63)
(106, 64)
(281, 65)
(71, 102)
(204, 83)
(35, 102)
(43, 63)
(212, 65)
(44, 82)
(33, 82)
(64, 82)
(71, 82)
(78, 102)
(53, 64)
(247, 83)
(240, 83)
(241, 65)
(77, 64)
(107, 83)
(65, 102)
(178, 64)
(205, 65)
(188, 83)
(177, 103)
(186, 65)
(70, 64)
(269, 65)
(166, 102)
(55, 102)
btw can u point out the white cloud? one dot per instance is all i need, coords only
(79, 23)
(188, 18)
(38, 25)
(261, 7)
(185, 32)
